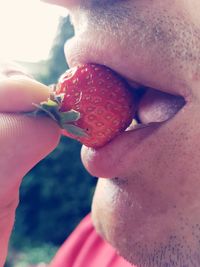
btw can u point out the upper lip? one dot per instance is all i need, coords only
(82, 49)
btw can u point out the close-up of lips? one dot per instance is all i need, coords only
(154, 111)
(159, 98)
(130, 97)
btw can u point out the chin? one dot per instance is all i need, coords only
(150, 237)
(144, 246)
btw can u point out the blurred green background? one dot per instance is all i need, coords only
(56, 194)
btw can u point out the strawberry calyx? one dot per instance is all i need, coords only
(51, 108)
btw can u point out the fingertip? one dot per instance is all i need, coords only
(19, 92)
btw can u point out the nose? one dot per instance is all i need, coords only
(65, 3)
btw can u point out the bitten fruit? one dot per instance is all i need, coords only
(91, 104)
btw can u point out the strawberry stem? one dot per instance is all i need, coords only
(51, 108)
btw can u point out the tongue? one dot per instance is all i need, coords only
(156, 106)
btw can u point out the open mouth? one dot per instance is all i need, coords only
(154, 109)
(153, 106)
(157, 106)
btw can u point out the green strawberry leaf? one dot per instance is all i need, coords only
(57, 98)
(48, 108)
(49, 104)
(75, 130)
(69, 116)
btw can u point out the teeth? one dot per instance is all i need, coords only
(135, 125)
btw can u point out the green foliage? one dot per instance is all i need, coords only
(31, 256)
(56, 194)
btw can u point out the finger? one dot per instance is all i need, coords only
(24, 141)
(19, 92)
(9, 68)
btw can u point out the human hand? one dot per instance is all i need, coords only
(24, 140)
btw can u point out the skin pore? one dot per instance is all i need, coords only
(150, 209)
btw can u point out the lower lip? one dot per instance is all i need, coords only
(110, 161)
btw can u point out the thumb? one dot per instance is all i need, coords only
(23, 140)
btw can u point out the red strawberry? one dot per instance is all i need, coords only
(92, 104)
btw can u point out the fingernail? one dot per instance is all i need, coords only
(9, 69)
(11, 73)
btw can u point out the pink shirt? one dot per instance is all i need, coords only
(85, 248)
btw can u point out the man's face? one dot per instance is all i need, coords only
(150, 209)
